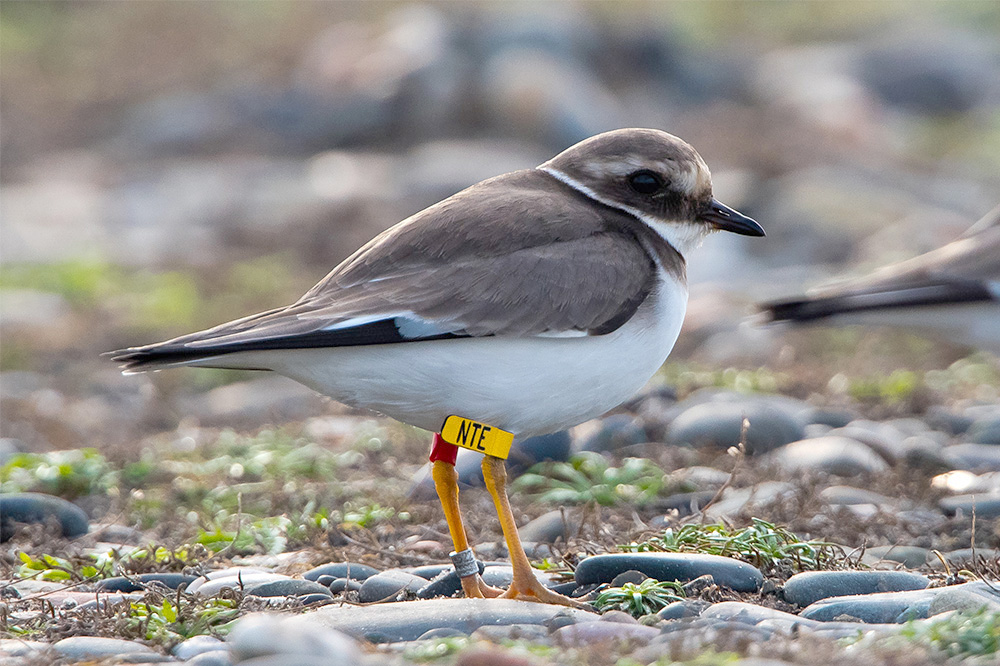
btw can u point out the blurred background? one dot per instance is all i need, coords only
(168, 166)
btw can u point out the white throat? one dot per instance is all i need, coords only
(683, 236)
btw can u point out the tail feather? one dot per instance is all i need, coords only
(821, 307)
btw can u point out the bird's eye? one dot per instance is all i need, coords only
(645, 181)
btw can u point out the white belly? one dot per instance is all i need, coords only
(528, 386)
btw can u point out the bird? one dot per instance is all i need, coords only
(951, 292)
(522, 305)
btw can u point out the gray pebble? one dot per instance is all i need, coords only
(496, 633)
(588, 633)
(731, 573)
(234, 580)
(290, 587)
(344, 585)
(752, 614)
(910, 557)
(719, 425)
(969, 597)
(351, 570)
(851, 495)
(263, 634)
(211, 658)
(143, 581)
(831, 454)
(441, 632)
(79, 648)
(985, 506)
(744, 500)
(680, 610)
(973, 457)
(614, 433)
(881, 608)
(630, 576)
(40, 508)
(196, 645)
(389, 623)
(810, 586)
(548, 527)
(985, 431)
(388, 585)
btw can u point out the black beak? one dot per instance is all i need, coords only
(721, 216)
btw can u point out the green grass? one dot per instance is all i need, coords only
(762, 544)
(640, 599)
(590, 477)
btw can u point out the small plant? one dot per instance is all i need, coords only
(176, 619)
(762, 544)
(366, 515)
(52, 568)
(437, 648)
(893, 389)
(589, 477)
(268, 535)
(640, 599)
(68, 474)
(964, 634)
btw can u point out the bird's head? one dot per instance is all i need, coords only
(654, 176)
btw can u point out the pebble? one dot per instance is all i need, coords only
(613, 433)
(910, 557)
(968, 597)
(832, 454)
(40, 508)
(984, 506)
(700, 477)
(548, 527)
(719, 424)
(496, 633)
(682, 567)
(338, 585)
(588, 633)
(973, 457)
(985, 431)
(680, 610)
(755, 498)
(388, 585)
(232, 579)
(810, 586)
(630, 576)
(966, 556)
(196, 645)
(142, 581)
(351, 570)
(211, 658)
(851, 495)
(752, 614)
(880, 608)
(407, 621)
(264, 634)
(290, 587)
(80, 648)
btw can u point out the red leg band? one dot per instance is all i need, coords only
(442, 450)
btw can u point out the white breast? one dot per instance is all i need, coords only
(528, 386)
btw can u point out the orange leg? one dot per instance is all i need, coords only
(446, 483)
(524, 586)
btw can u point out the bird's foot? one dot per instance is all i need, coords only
(532, 590)
(476, 588)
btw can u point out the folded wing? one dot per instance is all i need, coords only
(545, 266)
